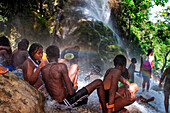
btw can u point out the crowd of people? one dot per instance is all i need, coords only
(59, 78)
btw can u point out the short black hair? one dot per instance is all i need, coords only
(4, 41)
(133, 60)
(150, 51)
(25, 41)
(22, 46)
(53, 51)
(120, 60)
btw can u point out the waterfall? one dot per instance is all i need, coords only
(100, 10)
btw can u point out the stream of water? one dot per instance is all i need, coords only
(100, 11)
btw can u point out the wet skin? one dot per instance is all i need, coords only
(28, 69)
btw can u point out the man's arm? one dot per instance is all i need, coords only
(113, 87)
(129, 66)
(5, 47)
(141, 64)
(162, 77)
(67, 80)
(124, 81)
(152, 63)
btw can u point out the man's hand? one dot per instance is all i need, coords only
(130, 90)
(127, 92)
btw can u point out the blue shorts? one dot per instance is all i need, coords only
(145, 77)
(11, 68)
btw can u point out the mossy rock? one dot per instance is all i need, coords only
(18, 96)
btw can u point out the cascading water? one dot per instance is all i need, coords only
(99, 10)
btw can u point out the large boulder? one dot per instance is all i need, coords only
(18, 96)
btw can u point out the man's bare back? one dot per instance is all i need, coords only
(55, 77)
(19, 57)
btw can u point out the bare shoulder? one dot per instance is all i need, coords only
(115, 72)
(28, 63)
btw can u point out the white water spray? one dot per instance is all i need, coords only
(100, 10)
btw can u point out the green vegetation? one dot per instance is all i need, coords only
(51, 19)
(144, 34)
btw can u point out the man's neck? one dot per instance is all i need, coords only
(53, 60)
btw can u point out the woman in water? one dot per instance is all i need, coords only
(33, 65)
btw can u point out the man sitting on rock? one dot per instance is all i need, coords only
(118, 97)
(59, 85)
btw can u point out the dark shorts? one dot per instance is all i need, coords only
(79, 98)
(107, 95)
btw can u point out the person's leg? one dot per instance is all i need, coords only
(143, 84)
(73, 74)
(121, 101)
(142, 99)
(166, 102)
(132, 78)
(98, 84)
(148, 83)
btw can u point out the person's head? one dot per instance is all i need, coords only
(25, 42)
(21, 46)
(133, 60)
(76, 48)
(53, 52)
(4, 41)
(150, 51)
(120, 61)
(36, 52)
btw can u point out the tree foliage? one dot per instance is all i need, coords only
(144, 34)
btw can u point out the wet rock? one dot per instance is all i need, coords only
(17, 96)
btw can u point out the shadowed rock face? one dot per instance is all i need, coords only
(17, 96)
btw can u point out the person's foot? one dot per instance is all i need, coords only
(150, 99)
(3, 70)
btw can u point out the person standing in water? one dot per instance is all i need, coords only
(132, 68)
(166, 87)
(59, 86)
(147, 62)
(33, 65)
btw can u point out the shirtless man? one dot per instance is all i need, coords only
(5, 52)
(20, 55)
(116, 97)
(166, 76)
(59, 86)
